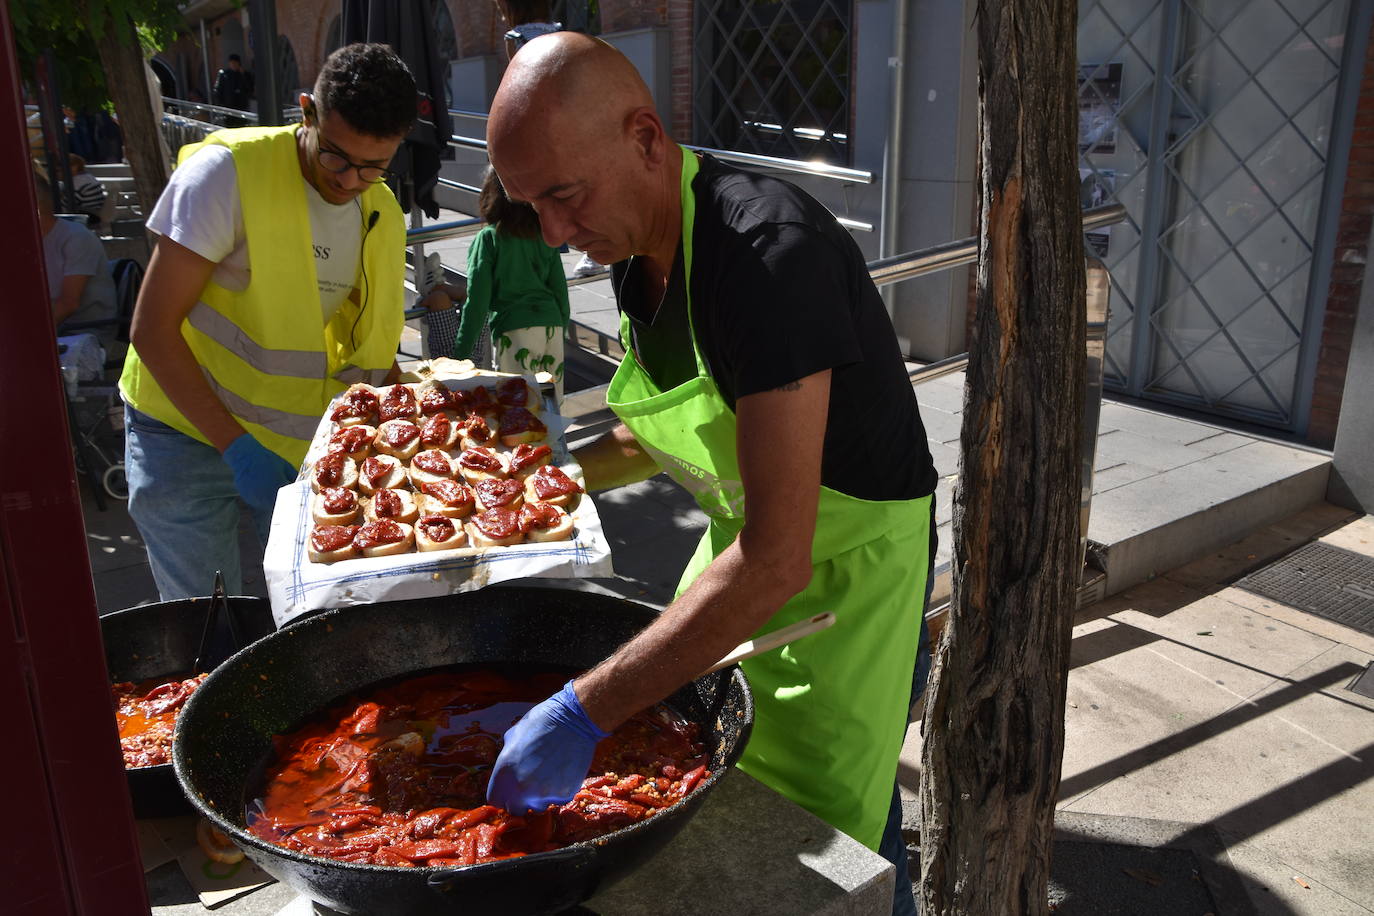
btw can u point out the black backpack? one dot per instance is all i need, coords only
(128, 278)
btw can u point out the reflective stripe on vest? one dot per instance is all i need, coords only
(352, 375)
(290, 425)
(291, 363)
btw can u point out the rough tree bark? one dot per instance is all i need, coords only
(994, 734)
(121, 56)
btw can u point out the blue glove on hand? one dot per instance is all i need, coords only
(258, 473)
(546, 755)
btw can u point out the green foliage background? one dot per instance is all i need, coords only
(70, 27)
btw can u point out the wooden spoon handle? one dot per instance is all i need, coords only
(775, 639)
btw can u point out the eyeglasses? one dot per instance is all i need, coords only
(338, 164)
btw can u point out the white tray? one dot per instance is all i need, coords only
(297, 586)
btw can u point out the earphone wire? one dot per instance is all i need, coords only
(362, 262)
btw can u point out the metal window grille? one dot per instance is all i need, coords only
(772, 77)
(1212, 122)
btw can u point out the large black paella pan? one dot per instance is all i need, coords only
(225, 732)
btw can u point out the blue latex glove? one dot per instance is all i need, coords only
(258, 473)
(546, 755)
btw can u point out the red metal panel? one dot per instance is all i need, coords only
(76, 852)
(33, 865)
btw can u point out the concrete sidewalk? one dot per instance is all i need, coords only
(1197, 708)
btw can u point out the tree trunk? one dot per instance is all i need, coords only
(121, 56)
(994, 734)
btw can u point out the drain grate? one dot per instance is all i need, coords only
(1327, 581)
(1364, 684)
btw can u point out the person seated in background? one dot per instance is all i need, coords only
(80, 287)
(516, 279)
(86, 188)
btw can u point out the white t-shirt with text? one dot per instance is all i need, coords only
(201, 210)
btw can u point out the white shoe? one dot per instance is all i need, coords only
(587, 267)
(432, 275)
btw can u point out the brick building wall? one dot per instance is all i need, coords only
(479, 27)
(680, 62)
(305, 23)
(624, 15)
(1348, 268)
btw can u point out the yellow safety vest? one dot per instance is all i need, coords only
(265, 351)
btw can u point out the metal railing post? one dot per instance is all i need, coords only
(1097, 301)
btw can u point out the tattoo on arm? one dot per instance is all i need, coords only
(790, 386)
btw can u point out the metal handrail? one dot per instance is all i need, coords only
(450, 230)
(458, 185)
(952, 254)
(213, 109)
(797, 166)
(816, 169)
(458, 142)
(965, 251)
(289, 113)
(883, 270)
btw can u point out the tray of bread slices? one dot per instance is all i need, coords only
(429, 487)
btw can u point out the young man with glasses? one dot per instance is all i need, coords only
(275, 283)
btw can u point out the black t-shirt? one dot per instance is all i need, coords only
(779, 292)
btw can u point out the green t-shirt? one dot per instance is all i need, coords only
(518, 282)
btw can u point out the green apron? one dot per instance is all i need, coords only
(831, 709)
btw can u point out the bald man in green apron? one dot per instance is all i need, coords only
(762, 373)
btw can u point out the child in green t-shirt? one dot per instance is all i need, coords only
(517, 283)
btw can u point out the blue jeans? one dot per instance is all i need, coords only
(182, 497)
(892, 847)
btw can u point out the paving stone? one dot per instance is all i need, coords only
(1090, 878)
(1338, 715)
(944, 501)
(1216, 443)
(1121, 848)
(1154, 425)
(1155, 598)
(940, 397)
(941, 425)
(1161, 455)
(946, 459)
(1118, 475)
(653, 528)
(1356, 535)
(127, 586)
(1207, 484)
(1215, 641)
(1261, 774)
(113, 542)
(1311, 623)
(1120, 707)
(1273, 886)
